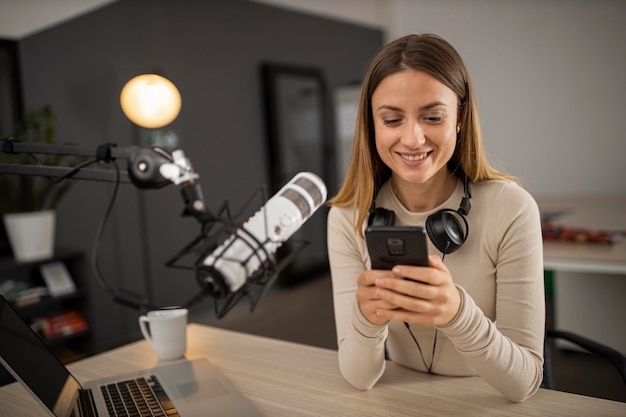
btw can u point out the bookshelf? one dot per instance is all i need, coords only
(62, 320)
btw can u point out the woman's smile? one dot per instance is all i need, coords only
(412, 157)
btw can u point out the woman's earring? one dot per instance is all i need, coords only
(458, 128)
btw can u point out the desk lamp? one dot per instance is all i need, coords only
(150, 101)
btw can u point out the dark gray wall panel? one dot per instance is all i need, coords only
(211, 50)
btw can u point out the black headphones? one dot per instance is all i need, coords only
(443, 227)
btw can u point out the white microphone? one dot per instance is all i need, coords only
(230, 265)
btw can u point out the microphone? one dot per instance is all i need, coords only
(253, 246)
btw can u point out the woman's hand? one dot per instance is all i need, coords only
(369, 302)
(413, 294)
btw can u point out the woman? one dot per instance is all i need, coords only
(482, 312)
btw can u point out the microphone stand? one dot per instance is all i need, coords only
(153, 168)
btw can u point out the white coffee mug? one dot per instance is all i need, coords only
(166, 330)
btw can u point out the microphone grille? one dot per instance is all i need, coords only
(311, 188)
(299, 201)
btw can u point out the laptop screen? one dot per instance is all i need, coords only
(28, 358)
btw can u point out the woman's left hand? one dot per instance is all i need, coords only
(424, 295)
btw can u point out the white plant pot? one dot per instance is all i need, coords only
(31, 234)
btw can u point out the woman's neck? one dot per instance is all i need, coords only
(424, 197)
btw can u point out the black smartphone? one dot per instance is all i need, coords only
(396, 245)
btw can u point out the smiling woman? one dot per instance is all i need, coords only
(418, 152)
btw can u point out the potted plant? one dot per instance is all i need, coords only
(27, 202)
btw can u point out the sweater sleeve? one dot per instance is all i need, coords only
(508, 353)
(361, 344)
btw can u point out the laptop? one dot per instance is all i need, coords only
(184, 388)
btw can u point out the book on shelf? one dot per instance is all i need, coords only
(63, 324)
(30, 296)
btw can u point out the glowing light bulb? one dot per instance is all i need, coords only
(151, 101)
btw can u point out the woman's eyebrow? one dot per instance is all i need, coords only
(425, 107)
(389, 107)
(433, 105)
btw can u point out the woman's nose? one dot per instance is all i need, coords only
(413, 136)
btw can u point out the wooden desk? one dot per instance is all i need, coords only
(288, 379)
(589, 278)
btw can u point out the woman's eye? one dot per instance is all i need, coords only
(391, 122)
(434, 118)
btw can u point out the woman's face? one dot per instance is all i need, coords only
(415, 120)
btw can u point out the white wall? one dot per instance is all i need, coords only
(549, 75)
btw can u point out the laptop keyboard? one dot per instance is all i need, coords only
(139, 397)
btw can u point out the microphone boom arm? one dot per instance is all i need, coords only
(147, 168)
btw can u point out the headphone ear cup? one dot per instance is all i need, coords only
(445, 231)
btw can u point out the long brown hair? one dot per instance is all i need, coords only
(432, 54)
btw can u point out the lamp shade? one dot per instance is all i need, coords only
(150, 101)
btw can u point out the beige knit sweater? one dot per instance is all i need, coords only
(499, 331)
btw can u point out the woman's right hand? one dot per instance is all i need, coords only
(369, 302)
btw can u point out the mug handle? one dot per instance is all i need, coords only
(144, 326)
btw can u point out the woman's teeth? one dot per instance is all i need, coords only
(414, 157)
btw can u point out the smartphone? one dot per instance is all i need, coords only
(396, 245)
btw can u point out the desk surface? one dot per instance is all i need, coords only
(593, 213)
(287, 379)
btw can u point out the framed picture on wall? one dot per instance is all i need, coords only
(11, 107)
(57, 279)
(346, 104)
(297, 122)
(300, 138)
(11, 110)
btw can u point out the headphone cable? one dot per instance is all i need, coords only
(429, 368)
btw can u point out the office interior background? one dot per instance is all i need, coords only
(549, 77)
